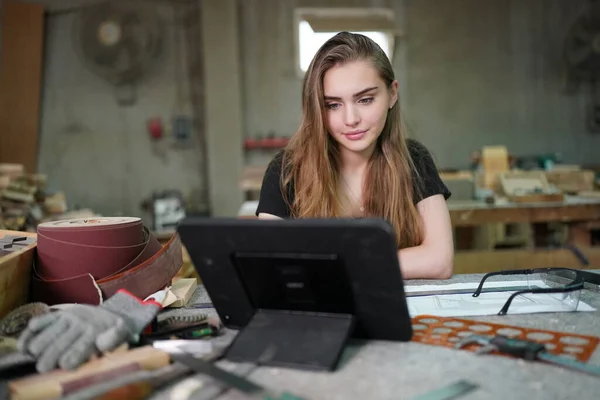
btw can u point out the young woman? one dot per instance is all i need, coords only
(350, 158)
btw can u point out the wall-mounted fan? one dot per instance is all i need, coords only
(581, 55)
(121, 41)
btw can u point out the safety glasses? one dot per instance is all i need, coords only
(559, 285)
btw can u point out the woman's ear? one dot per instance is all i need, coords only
(394, 94)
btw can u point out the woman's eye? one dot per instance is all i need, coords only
(332, 106)
(366, 100)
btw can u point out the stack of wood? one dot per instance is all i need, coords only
(15, 197)
(529, 187)
(24, 201)
(572, 179)
(494, 162)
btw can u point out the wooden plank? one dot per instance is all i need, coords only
(53, 385)
(20, 82)
(15, 273)
(472, 262)
(548, 213)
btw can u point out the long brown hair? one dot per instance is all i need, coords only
(311, 159)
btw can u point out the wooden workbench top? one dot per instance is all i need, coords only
(572, 209)
(472, 213)
(569, 201)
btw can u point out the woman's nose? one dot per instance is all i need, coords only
(351, 117)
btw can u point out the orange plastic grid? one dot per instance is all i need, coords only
(441, 331)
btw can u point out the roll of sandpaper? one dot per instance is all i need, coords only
(86, 260)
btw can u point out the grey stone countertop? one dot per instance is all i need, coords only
(402, 370)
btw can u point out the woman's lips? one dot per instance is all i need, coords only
(355, 135)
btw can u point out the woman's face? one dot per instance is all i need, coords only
(356, 103)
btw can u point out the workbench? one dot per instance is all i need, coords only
(394, 371)
(581, 214)
(572, 209)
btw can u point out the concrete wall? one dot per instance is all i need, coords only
(472, 73)
(490, 72)
(99, 152)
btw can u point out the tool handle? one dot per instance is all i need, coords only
(525, 349)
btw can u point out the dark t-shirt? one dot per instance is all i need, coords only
(271, 200)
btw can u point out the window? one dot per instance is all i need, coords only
(315, 26)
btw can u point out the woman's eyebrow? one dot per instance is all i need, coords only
(354, 95)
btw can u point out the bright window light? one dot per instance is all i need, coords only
(310, 41)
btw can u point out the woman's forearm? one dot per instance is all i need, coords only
(425, 262)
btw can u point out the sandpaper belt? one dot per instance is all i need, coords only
(87, 261)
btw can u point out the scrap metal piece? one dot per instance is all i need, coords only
(177, 322)
(485, 342)
(565, 362)
(11, 240)
(452, 391)
(486, 349)
(244, 385)
(9, 244)
(481, 340)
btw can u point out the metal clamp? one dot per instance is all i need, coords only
(525, 349)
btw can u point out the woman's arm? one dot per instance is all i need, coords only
(267, 216)
(434, 258)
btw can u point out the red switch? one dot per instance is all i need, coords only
(155, 128)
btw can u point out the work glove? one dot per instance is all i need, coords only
(69, 337)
